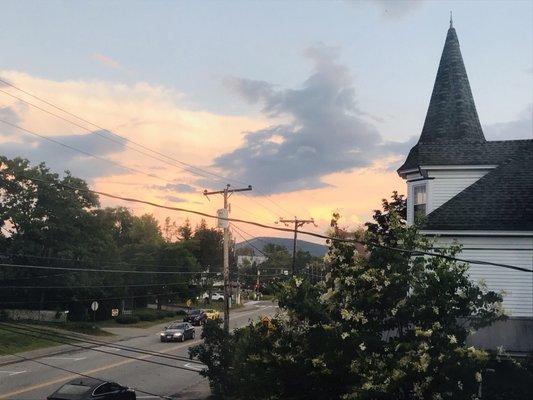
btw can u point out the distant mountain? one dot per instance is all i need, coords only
(315, 249)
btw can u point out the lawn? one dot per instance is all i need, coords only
(16, 342)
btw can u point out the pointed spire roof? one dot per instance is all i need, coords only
(452, 115)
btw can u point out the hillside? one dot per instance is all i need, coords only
(259, 242)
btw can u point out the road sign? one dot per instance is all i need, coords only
(114, 312)
(189, 303)
(94, 305)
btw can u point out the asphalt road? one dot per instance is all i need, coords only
(28, 380)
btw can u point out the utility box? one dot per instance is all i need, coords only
(222, 223)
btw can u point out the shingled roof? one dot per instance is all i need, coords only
(451, 121)
(500, 201)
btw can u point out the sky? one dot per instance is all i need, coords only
(314, 103)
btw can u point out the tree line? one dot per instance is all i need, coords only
(46, 224)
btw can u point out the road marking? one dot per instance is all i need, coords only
(66, 358)
(92, 371)
(11, 373)
(89, 372)
(196, 367)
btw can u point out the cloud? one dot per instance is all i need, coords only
(520, 128)
(176, 187)
(106, 61)
(175, 199)
(59, 158)
(326, 132)
(397, 9)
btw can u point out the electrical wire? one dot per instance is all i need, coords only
(93, 299)
(122, 271)
(303, 232)
(193, 169)
(111, 345)
(99, 286)
(84, 375)
(52, 339)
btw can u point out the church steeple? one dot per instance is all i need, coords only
(452, 115)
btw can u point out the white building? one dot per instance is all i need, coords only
(476, 192)
(251, 260)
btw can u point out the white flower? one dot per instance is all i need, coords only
(452, 338)
(362, 346)
(344, 335)
(478, 377)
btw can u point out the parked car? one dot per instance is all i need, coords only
(92, 389)
(178, 331)
(195, 317)
(217, 296)
(212, 314)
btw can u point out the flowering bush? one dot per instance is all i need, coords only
(383, 324)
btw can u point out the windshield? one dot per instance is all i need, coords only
(73, 389)
(178, 326)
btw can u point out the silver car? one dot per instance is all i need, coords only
(178, 332)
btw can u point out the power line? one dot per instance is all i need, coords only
(261, 225)
(57, 340)
(82, 374)
(99, 286)
(93, 262)
(99, 342)
(122, 271)
(193, 169)
(93, 298)
(73, 148)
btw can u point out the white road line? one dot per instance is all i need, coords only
(108, 348)
(196, 367)
(11, 373)
(66, 358)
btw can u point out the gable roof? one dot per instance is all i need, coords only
(501, 200)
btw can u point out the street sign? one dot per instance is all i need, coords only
(94, 305)
(114, 312)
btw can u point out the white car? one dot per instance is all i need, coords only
(214, 296)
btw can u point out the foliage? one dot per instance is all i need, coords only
(47, 224)
(382, 325)
(127, 319)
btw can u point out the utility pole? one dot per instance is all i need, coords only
(224, 223)
(298, 223)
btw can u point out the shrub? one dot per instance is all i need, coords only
(127, 319)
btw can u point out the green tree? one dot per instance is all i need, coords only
(383, 325)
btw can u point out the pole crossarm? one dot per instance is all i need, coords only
(298, 223)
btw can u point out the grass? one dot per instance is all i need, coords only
(141, 324)
(87, 328)
(11, 343)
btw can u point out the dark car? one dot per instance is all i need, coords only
(178, 331)
(92, 389)
(195, 317)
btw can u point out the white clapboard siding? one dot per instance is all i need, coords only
(447, 184)
(517, 285)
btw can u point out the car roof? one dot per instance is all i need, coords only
(86, 381)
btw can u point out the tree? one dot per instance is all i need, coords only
(380, 326)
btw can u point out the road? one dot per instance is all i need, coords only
(28, 380)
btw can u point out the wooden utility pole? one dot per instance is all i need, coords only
(298, 223)
(224, 223)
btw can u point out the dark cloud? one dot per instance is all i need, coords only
(174, 199)
(520, 128)
(397, 9)
(59, 158)
(327, 131)
(176, 187)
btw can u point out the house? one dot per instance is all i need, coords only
(478, 193)
(250, 260)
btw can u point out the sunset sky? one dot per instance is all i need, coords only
(314, 103)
